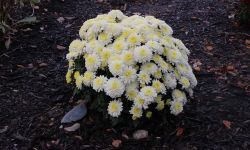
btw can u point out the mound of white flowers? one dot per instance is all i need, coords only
(133, 60)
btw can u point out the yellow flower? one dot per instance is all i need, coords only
(88, 78)
(76, 74)
(68, 76)
(136, 112)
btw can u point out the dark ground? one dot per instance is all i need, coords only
(34, 95)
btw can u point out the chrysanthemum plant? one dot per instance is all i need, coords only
(130, 66)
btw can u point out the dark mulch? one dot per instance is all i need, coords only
(34, 95)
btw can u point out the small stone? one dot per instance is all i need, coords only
(140, 134)
(77, 113)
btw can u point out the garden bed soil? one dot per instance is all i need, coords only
(34, 95)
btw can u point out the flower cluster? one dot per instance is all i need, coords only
(132, 60)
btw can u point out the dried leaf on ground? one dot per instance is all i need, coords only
(43, 64)
(60, 47)
(179, 131)
(230, 68)
(209, 47)
(116, 143)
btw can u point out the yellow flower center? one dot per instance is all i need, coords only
(148, 92)
(128, 73)
(114, 107)
(143, 52)
(114, 86)
(117, 66)
(133, 39)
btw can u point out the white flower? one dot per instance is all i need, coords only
(99, 82)
(72, 55)
(116, 67)
(148, 93)
(170, 81)
(88, 77)
(114, 87)
(84, 28)
(159, 87)
(184, 82)
(92, 62)
(144, 77)
(119, 46)
(152, 36)
(104, 38)
(131, 91)
(184, 69)
(166, 29)
(77, 46)
(181, 46)
(179, 96)
(193, 80)
(176, 107)
(165, 67)
(127, 57)
(136, 112)
(141, 103)
(114, 29)
(174, 55)
(157, 74)
(142, 54)
(98, 26)
(132, 85)
(131, 94)
(79, 82)
(167, 42)
(155, 46)
(140, 57)
(105, 55)
(134, 39)
(150, 68)
(117, 15)
(115, 108)
(128, 75)
(92, 46)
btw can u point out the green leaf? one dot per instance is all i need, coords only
(28, 20)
